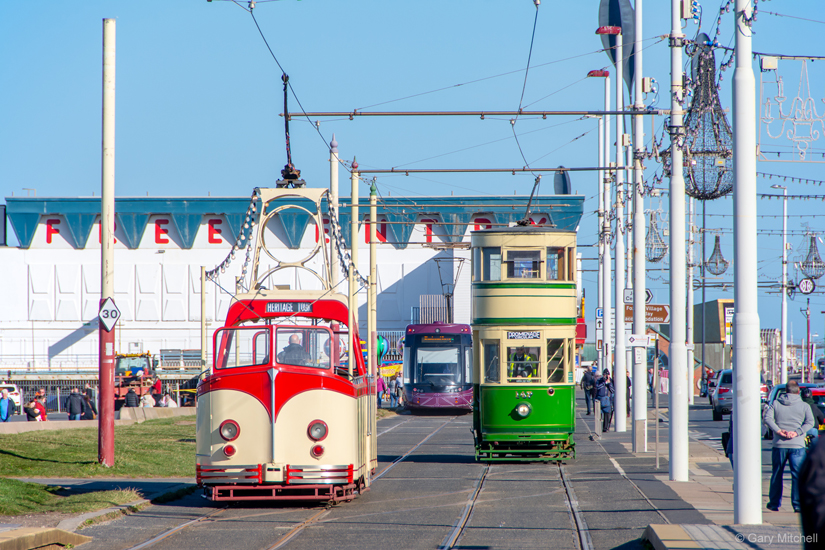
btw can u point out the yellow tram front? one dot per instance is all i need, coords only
(524, 331)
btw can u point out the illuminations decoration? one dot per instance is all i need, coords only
(717, 264)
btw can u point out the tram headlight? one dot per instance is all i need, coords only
(523, 410)
(230, 430)
(317, 430)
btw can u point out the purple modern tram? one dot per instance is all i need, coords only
(438, 366)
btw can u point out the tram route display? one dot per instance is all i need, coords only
(438, 364)
(524, 334)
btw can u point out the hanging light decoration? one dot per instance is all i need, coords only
(717, 264)
(812, 266)
(655, 246)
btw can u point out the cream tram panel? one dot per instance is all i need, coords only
(254, 440)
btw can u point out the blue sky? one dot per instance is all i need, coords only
(198, 98)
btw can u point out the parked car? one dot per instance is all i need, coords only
(721, 398)
(712, 381)
(14, 393)
(817, 389)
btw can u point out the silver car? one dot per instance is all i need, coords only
(721, 400)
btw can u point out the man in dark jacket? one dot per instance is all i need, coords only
(132, 400)
(819, 416)
(294, 353)
(75, 405)
(812, 497)
(587, 386)
(789, 418)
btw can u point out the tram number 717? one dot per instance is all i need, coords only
(524, 394)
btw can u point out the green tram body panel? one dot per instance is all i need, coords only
(524, 301)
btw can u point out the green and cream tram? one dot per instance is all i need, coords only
(524, 333)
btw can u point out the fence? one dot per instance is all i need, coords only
(392, 336)
(170, 358)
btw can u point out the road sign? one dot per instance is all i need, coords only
(637, 340)
(599, 345)
(648, 296)
(108, 314)
(640, 355)
(628, 295)
(599, 324)
(654, 313)
(599, 313)
(806, 286)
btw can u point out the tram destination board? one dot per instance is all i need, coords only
(289, 307)
(439, 338)
(524, 335)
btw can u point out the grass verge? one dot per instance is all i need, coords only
(386, 413)
(155, 448)
(19, 498)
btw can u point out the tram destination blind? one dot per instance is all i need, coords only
(524, 335)
(289, 307)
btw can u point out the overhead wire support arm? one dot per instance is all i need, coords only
(544, 114)
(408, 171)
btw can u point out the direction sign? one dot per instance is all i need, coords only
(654, 313)
(648, 296)
(637, 340)
(806, 286)
(599, 313)
(108, 314)
(628, 295)
(599, 324)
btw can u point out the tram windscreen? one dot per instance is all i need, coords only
(242, 347)
(439, 366)
(303, 346)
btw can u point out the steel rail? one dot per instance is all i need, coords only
(521, 113)
(156, 539)
(295, 531)
(408, 453)
(458, 530)
(583, 533)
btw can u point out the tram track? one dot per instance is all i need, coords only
(458, 529)
(298, 528)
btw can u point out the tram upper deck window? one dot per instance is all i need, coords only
(491, 264)
(556, 360)
(242, 347)
(523, 264)
(523, 364)
(555, 264)
(304, 346)
(491, 362)
(437, 365)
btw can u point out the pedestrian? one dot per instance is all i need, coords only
(91, 411)
(587, 388)
(132, 399)
(729, 443)
(399, 388)
(75, 406)
(392, 389)
(650, 380)
(379, 391)
(819, 416)
(812, 497)
(627, 393)
(604, 393)
(40, 403)
(90, 393)
(6, 406)
(147, 401)
(789, 418)
(167, 401)
(32, 411)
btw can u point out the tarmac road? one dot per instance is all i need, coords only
(422, 501)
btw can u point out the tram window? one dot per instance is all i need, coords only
(476, 264)
(242, 347)
(555, 360)
(491, 264)
(555, 264)
(438, 366)
(523, 264)
(523, 364)
(303, 346)
(490, 356)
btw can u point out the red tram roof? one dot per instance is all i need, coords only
(270, 308)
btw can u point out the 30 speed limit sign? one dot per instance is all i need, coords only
(108, 314)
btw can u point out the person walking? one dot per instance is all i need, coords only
(627, 393)
(392, 388)
(819, 416)
(380, 389)
(6, 406)
(132, 399)
(604, 393)
(91, 411)
(75, 406)
(812, 496)
(789, 418)
(587, 388)
(399, 385)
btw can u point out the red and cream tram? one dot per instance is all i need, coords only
(281, 413)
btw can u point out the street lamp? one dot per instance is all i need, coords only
(783, 376)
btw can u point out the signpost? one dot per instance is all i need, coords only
(654, 313)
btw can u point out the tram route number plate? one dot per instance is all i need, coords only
(289, 307)
(524, 335)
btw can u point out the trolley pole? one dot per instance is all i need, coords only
(106, 369)
(747, 455)
(335, 269)
(677, 394)
(639, 359)
(620, 366)
(373, 294)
